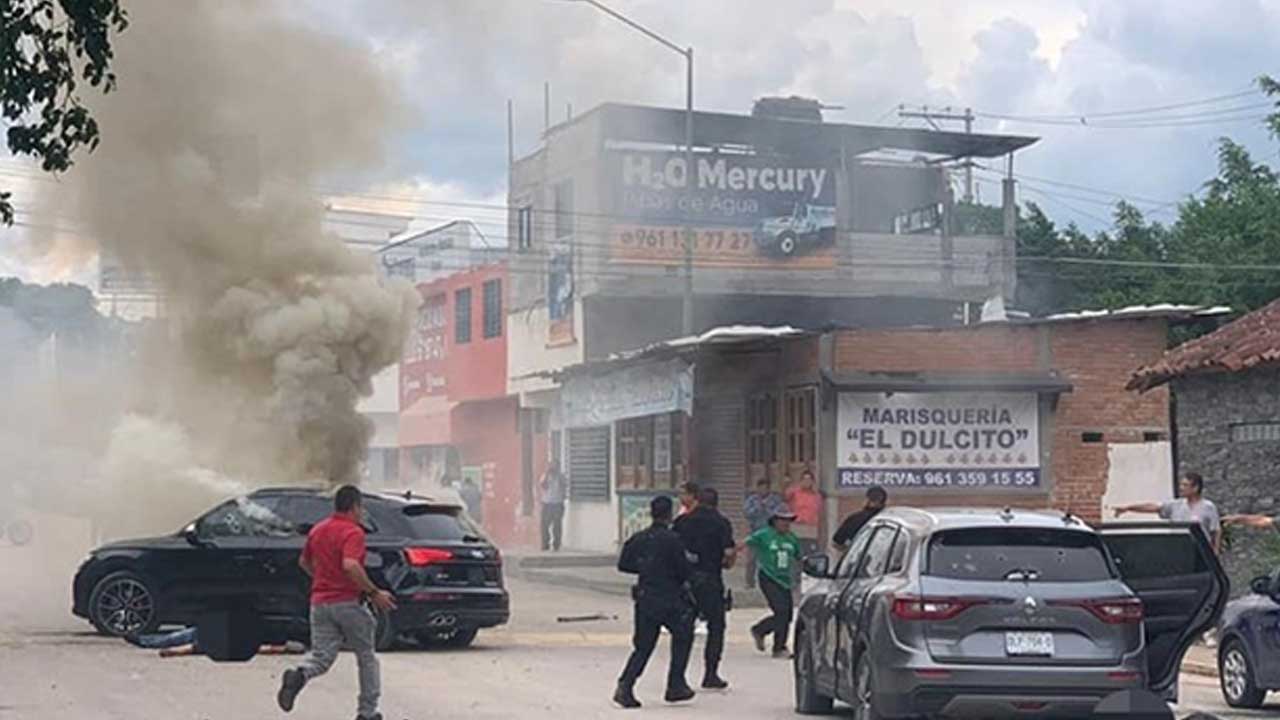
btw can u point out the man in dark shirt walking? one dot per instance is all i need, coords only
(877, 498)
(708, 536)
(334, 558)
(661, 600)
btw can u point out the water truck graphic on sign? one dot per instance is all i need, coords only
(720, 174)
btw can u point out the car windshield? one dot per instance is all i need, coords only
(1023, 554)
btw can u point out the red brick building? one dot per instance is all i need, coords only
(1021, 413)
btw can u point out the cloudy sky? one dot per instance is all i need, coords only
(460, 60)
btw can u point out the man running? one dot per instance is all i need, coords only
(776, 549)
(334, 558)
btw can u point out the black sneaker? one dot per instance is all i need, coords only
(714, 682)
(680, 694)
(781, 654)
(759, 637)
(625, 697)
(375, 716)
(290, 685)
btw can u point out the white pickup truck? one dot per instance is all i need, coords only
(806, 226)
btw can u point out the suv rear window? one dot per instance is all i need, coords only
(440, 523)
(1044, 555)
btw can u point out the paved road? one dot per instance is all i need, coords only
(50, 667)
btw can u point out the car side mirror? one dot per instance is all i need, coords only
(817, 566)
(1263, 586)
(192, 536)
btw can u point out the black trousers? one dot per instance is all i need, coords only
(651, 616)
(779, 623)
(552, 522)
(708, 593)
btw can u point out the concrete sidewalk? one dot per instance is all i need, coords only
(1201, 660)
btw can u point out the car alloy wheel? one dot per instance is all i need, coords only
(124, 606)
(1236, 676)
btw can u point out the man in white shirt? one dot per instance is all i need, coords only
(1191, 506)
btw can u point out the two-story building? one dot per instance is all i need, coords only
(787, 222)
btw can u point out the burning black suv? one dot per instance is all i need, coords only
(446, 577)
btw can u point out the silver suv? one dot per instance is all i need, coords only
(1001, 613)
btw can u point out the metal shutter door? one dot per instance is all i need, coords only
(722, 438)
(589, 464)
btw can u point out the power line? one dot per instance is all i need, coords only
(1076, 117)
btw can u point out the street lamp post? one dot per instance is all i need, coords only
(690, 172)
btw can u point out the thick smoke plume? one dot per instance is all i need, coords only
(228, 116)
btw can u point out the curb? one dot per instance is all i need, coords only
(1192, 667)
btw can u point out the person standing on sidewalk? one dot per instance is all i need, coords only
(806, 504)
(708, 536)
(661, 596)
(553, 496)
(758, 508)
(1191, 507)
(877, 498)
(334, 559)
(777, 551)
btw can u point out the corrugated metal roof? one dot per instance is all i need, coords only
(1251, 341)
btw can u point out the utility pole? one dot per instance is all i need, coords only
(947, 113)
(690, 173)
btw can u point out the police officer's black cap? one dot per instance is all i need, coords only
(660, 507)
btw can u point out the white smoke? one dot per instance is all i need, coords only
(227, 116)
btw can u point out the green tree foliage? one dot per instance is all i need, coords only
(1234, 221)
(47, 49)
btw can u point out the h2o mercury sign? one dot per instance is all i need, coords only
(988, 441)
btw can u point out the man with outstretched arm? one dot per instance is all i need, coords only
(334, 559)
(1191, 506)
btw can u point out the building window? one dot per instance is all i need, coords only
(762, 429)
(635, 453)
(462, 316)
(492, 308)
(524, 227)
(801, 426)
(1255, 432)
(564, 209)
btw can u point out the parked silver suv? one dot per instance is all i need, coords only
(1001, 613)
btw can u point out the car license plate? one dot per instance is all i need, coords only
(1029, 644)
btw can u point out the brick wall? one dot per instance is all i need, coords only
(1096, 357)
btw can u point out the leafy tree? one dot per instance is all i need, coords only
(47, 49)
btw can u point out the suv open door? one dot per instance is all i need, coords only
(1183, 588)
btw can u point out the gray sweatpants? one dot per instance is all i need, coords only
(347, 626)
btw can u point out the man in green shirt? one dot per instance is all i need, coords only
(776, 550)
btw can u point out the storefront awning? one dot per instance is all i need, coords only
(1044, 382)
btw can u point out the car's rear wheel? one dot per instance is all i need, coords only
(1235, 675)
(787, 243)
(123, 604)
(385, 635)
(454, 639)
(808, 700)
(864, 707)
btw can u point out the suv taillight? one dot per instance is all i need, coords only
(1113, 611)
(914, 607)
(421, 557)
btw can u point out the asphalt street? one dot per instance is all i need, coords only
(52, 666)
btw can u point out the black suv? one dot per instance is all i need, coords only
(446, 577)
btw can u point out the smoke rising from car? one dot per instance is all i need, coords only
(227, 116)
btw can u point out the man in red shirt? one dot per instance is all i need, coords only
(334, 558)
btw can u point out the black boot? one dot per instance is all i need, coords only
(713, 681)
(625, 697)
(290, 685)
(679, 694)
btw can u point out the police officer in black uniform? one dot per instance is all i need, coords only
(662, 600)
(708, 537)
